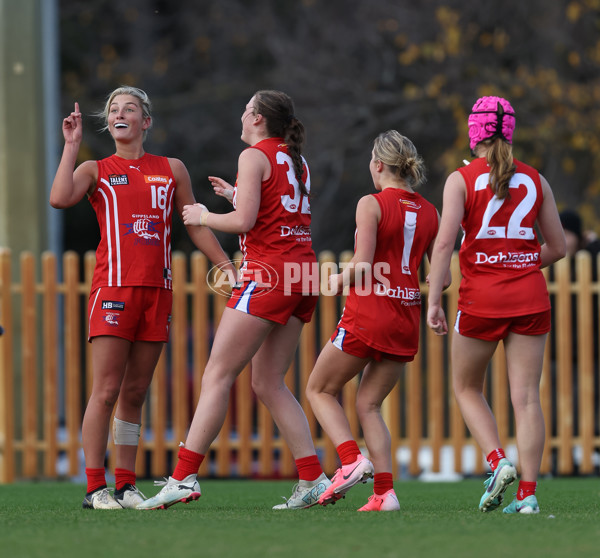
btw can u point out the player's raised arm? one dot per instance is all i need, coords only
(70, 185)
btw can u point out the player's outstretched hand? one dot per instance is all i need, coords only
(221, 188)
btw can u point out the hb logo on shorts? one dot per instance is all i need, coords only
(112, 305)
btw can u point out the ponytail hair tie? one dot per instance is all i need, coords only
(289, 118)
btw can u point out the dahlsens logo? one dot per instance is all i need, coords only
(408, 295)
(507, 258)
(299, 230)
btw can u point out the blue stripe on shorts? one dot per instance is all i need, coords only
(244, 300)
(339, 338)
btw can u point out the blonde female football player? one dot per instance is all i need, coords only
(133, 194)
(379, 328)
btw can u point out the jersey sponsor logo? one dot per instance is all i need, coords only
(407, 295)
(156, 178)
(113, 305)
(299, 230)
(111, 318)
(136, 168)
(117, 179)
(145, 229)
(512, 259)
(411, 204)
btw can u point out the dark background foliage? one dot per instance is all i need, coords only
(354, 69)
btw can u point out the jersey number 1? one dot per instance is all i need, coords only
(410, 226)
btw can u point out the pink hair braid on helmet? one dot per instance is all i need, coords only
(491, 117)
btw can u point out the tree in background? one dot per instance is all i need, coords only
(355, 69)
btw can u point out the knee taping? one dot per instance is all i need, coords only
(126, 433)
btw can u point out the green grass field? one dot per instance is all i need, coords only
(233, 518)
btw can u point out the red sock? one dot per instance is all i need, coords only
(123, 477)
(348, 452)
(95, 479)
(188, 463)
(382, 483)
(526, 489)
(309, 468)
(494, 457)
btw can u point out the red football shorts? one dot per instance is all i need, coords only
(133, 313)
(271, 304)
(495, 329)
(347, 342)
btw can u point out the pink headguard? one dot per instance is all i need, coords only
(491, 117)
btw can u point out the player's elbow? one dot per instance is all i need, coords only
(58, 203)
(552, 252)
(561, 251)
(246, 223)
(447, 280)
(558, 248)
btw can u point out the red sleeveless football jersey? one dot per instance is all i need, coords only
(133, 201)
(500, 252)
(386, 317)
(278, 249)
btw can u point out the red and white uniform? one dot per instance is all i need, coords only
(386, 316)
(133, 201)
(500, 252)
(281, 235)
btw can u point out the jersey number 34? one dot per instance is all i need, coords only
(298, 202)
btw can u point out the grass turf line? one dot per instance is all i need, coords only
(234, 518)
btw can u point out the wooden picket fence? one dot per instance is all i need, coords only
(45, 379)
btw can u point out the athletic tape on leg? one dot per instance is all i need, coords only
(126, 433)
